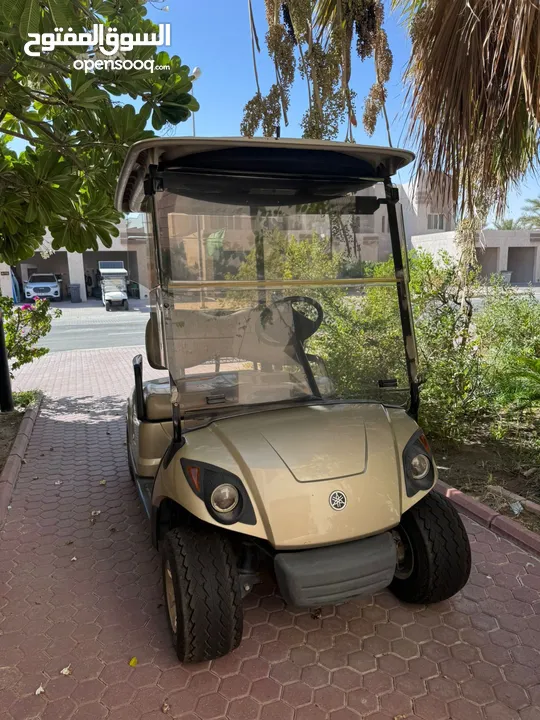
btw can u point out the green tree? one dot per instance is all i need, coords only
(77, 126)
(531, 213)
(24, 326)
(509, 224)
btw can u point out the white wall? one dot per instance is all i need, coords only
(501, 239)
(419, 200)
(436, 242)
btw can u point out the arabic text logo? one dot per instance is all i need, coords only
(108, 41)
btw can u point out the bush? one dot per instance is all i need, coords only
(471, 339)
(470, 344)
(25, 399)
(23, 326)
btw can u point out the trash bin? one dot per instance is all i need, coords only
(75, 292)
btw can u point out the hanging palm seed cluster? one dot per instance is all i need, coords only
(314, 39)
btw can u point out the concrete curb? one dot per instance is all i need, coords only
(491, 519)
(10, 473)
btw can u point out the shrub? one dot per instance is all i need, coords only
(23, 326)
(471, 339)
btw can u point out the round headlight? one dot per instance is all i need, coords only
(224, 498)
(420, 467)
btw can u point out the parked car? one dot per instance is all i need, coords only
(42, 286)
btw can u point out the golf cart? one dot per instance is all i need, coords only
(113, 284)
(283, 435)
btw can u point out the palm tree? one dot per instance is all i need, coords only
(509, 224)
(474, 88)
(315, 39)
(531, 216)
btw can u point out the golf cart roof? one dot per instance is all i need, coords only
(113, 272)
(264, 156)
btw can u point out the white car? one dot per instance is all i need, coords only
(42, 286)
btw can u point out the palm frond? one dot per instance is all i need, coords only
(474, 87)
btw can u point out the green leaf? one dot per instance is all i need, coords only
(61, 14)
(30, 18)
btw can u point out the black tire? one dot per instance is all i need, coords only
(108, 305)
(207, 595)
(437, 561)
(125, 304)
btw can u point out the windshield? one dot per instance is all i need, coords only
(114, 283)
(278, 304)
(42, 279)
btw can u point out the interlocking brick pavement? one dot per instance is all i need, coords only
(85, 594)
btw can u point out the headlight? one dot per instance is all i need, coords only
(224, 498)
(222, 492)
(420, 466)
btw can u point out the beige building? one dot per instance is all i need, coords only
(428, 221)
(130, 247)
(513, 252)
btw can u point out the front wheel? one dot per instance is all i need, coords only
(434, 555)
(202, 593)
(108, 305)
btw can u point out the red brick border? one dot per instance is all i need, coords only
(10, 472)
(490, 518)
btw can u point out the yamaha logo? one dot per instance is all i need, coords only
(338, 500)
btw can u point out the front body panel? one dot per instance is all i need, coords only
(291, 461)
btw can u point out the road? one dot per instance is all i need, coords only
(89, 326)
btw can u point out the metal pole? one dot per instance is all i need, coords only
(202, 259)
(6, 396)
(405, 310)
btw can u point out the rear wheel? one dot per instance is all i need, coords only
(125, 304)
(202, 593)
(434, 555)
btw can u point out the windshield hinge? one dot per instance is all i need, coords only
(153, 184)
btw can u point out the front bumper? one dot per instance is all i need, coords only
(334, 574)
(42, 296)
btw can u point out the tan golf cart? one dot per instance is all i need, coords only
(282, 436)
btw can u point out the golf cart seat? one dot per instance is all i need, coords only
(157, 399)
(260, 349)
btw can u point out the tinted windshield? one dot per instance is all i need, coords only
(42, 278)
(280, 304)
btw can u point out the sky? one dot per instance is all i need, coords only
(214, 35)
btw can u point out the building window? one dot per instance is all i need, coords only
(383, 223)
(435, 221)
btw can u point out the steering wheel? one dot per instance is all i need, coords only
(302, 327)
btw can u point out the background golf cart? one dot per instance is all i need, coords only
(113, 283)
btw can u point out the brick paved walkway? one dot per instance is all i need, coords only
(89, 595)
